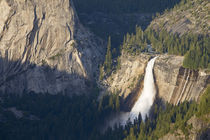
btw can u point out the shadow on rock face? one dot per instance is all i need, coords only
(16, 77)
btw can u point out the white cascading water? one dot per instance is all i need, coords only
(145, 101)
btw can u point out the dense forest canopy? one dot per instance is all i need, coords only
(56, 117)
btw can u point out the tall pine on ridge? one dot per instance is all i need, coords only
(108, 59)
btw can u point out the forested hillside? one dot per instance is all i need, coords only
(53, 117)
(117, 17)
(184, 30)
(38, 116)
(181, 30)
(193, 45)
(167, 119)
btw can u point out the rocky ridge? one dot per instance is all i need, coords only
(44, 48)
(190, 17)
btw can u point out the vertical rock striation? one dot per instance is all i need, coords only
(44, 48)
(176, 84)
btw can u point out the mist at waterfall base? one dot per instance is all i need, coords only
(143, 104)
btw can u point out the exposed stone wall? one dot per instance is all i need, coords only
(176, 84)
(44, 48)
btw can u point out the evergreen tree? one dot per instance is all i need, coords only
(101, 72)
(118, 63)
(117, 103)
(108, 59)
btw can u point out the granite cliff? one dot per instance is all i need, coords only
(44, 48)
(176, 84)
(127, 81)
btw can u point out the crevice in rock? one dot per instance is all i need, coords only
(37, 35)
(31, 35)
(6, 24)
(70, 34)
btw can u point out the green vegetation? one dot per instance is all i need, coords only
(101, 72)
(164, 120)
(57, 117)
(117, 17)
(194, 47)
(80, 117)
(135, 43)
(204, 105)
(56, 56)
(109, 64)
(108, 59)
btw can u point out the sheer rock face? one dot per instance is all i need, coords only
(44, 48)
(176, 84)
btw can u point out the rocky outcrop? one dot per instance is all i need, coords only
(128, 80)
(190, 17)
(44, 48)
(176, 84)
(199, 130)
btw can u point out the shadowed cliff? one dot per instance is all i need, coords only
(19, 78)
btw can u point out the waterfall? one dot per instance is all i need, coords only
(145, 101)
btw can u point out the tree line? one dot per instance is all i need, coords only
(194, 47)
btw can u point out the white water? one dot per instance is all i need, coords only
(145, 101)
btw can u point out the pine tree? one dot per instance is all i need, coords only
(111, 103)
(101, 74)
(118, 63)
(108, 59)
(117, 103)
